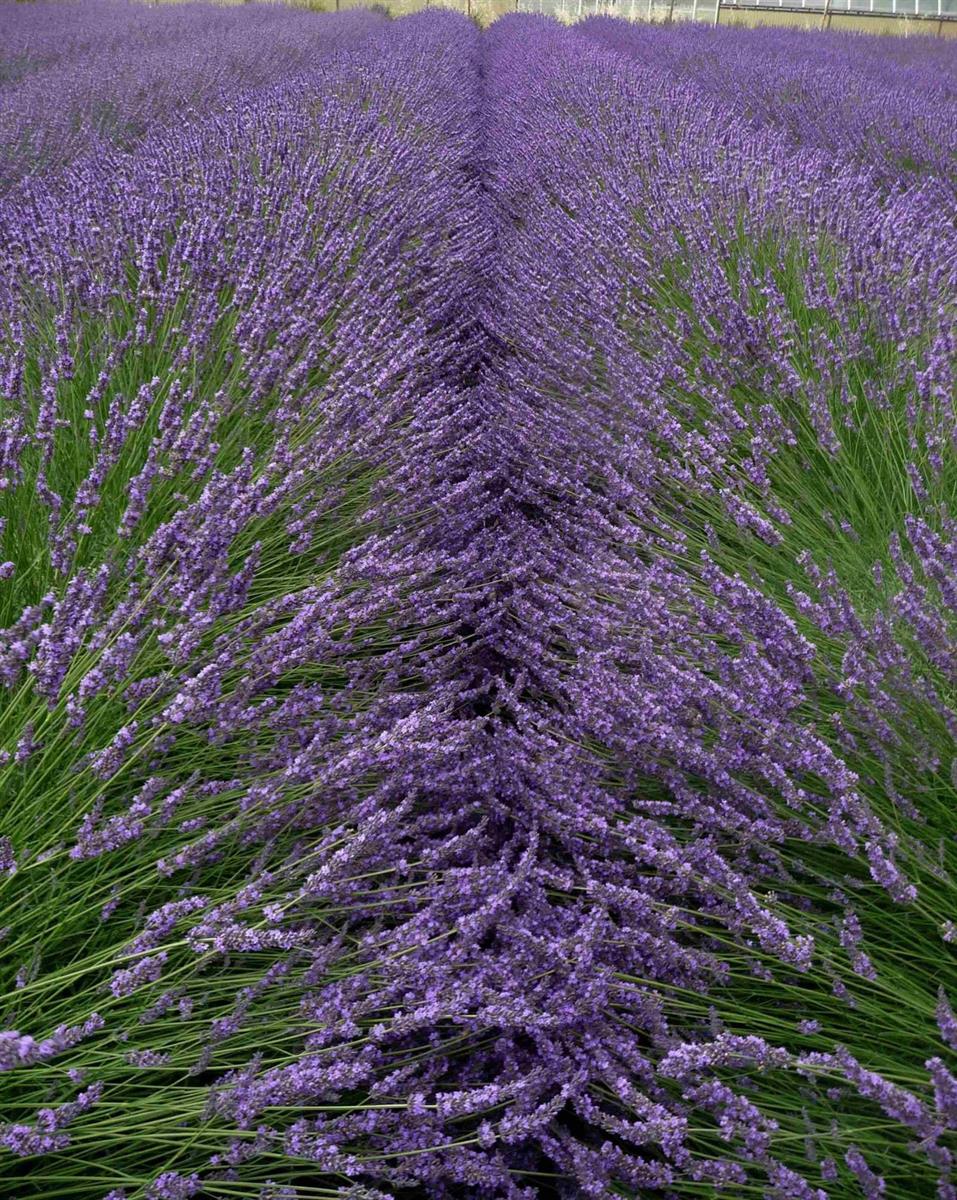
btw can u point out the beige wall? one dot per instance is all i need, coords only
(484, 11)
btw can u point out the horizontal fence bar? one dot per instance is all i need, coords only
(822, 6)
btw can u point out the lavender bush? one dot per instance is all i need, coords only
(477, 572)
(78, 77)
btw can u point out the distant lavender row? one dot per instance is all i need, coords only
(423, 691)
(104, 72)
(887, 105)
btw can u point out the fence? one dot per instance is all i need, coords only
(878, 16)
(720, 11)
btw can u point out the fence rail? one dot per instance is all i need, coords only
(925, 10)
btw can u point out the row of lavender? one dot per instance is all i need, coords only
(752, 298)
(478, 602)
(75, 77)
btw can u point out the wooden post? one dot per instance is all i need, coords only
(717, 12)
(826, 18)
(671, 11)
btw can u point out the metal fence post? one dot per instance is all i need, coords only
(717, 12)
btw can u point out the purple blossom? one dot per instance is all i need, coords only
(872, 1185)
(171, 1185)
(128, 979)
(946, 1020)
(945, 1091)
(22, 1050)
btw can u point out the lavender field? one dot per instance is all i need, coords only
(478, 608)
